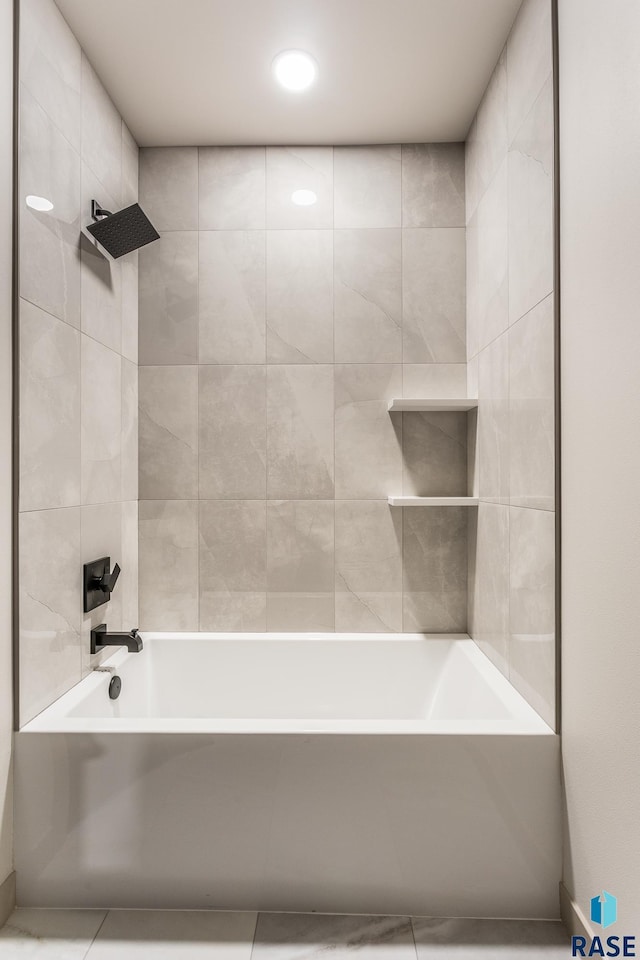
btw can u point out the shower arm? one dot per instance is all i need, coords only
(97, 212)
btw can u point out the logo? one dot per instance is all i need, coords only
(604, 909)
(604, 912)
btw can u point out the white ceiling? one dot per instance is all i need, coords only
(199, 71)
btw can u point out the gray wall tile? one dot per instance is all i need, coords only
(433, 185)
(101, 423)
(169, 187)
(488, 613)
(233, 568)
(169, 433)
(100, 277)
(299, 168)
(101, 134)
(433, 288)
(129, 458)
(232, 188)
(232, 319)
(169, 299)
(434, 380)
(529, 60)
(434, 448)
(232, 425)
(434, 565)
(487, 141)
(168, 581)
(493, 421)
(367, 186)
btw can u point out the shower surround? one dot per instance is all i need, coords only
(272, 337)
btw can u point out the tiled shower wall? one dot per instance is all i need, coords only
(510, 329)
(272, 337)
(78, 360)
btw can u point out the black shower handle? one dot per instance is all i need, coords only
(107, 581)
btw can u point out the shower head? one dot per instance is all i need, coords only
(120, 233)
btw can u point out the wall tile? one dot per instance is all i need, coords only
(130, 167)
(232, 432)
(299, 168)
(129, 345)
(531, 409)
(488, 614)
(434, 380)
(300, 452)
(233, 576)
(300, 565)
(101, 423)
(168, 433)
(129, 461)
(169, 300)
(368, 296)
(433, 185)
(488, 265)
(169, 187)
(299, 296)
(168, 580)
(50, 607)
(368, 566)
(434, 448)
(232, 324)
(51, 65)
(532, 608)
(434, 570)
(100, 277)
(367, 186)
(493, 421)
(433, 284)
(49, 411)
(101, 536)
(531, 208)
(368, 439)
(129, 577)
(49, 251)
(487, 141)
(529, 60)
(232, 188)
(101, 134)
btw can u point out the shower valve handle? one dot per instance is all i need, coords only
(107, 581)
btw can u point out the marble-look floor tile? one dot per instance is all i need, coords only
(367, 186)
(529, 60)
(233, 562)
(487, 140)
(168, 317)
(300, 565)
(433, 185)
(168, 433)
(368, 439)
(434, 570)
(231, 188)
(101, 134)
(50, 606)
(49, 411)
(299, 296)
(101, 422)
(455, 939)
(232, 324)
(168, 562)
(51, 65)
(368, 296)
(299, 168)
(532, 409)
(531, 239)
(49, 241)
(169, 187)
(368, 566)
(174, 935)
(434, 454)
(433, 289)
(312, 936)
(37, 934)
(232, 432)
(300, 432)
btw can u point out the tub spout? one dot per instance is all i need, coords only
(100, 639)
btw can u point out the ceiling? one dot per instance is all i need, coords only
(199, 71)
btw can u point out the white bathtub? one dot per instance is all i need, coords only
(167, 797)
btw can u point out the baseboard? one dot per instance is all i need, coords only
(572, 916)
(7, 898)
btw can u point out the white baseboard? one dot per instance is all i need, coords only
(7, 898)
(572, 916)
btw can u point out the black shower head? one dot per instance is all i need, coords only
(121, 232)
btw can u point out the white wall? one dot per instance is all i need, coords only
(6, 721)
(600, 245)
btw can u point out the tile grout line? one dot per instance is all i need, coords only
(96, 934)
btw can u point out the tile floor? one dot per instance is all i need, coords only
(200, 935)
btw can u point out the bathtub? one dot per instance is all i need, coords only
(353, 773)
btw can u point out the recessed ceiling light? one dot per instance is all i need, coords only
(304, 198)
(295, 69)
(39, 203)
